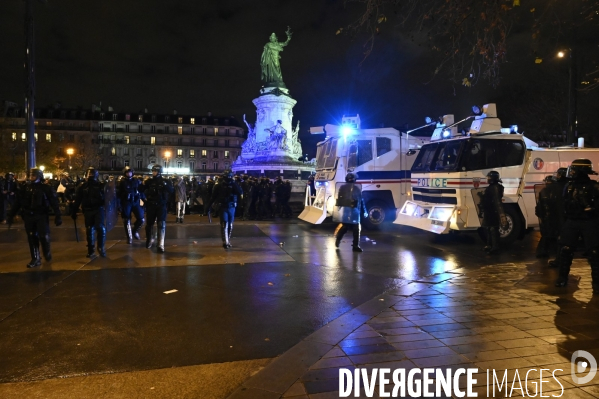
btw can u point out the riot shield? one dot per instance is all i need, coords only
(347, 203)
(477, 198)
(110, 204)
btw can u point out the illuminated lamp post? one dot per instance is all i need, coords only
(70, 152)
(167, 155)
(572, 94)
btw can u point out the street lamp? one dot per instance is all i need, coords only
(167, 155)
(572, 94)
(70, 152)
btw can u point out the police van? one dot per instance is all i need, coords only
(451, 170)
(381, 158)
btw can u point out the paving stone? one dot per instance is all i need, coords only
(516, 343)
(332, 362)
(429, 343)
(363, 334)
(428, 352)
(490, 355)
(408, 337)
(296, 390)
(377, 357)
(335, 352)
(362, 342)
(366, 349)
(438, 361)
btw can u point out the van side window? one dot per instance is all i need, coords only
(489, 154)
(383, 145)
(364, 151)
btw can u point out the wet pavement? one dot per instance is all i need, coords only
(282, 284)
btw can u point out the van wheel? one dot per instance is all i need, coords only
(377, 215)
(513, 230)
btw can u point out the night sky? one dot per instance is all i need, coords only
(201, 56)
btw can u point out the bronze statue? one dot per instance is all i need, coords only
(271, 69)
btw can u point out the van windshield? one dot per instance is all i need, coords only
(469, 154)
(326, 154)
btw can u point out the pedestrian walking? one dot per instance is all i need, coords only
(129, 196)
(34, 200)
(348, 208)
(90, 197)
(223, 202)
(581, 206)
(493, 214)
(157, 191)
(180, 199)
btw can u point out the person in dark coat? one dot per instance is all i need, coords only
(129, 196)
(493, 214)
(157, 191)
(34, 200)
(549, 214)
(90, 197)
(349, 206)
(224, 199)
(581, 206)
(9, 193)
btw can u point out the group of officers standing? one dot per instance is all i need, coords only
(35, 199)
(568, 212)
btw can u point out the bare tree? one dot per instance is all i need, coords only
(469, 38)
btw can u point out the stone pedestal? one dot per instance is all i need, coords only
(273, 148)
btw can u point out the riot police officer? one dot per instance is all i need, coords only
(349, 206)
(548, 214)
(128, 194)
(493, 215)
(90, 197)
(581, 206)
(35, 199)
(157, 191)
(8, 192)
(223, 201)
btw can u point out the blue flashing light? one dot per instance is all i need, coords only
(446, 133)
(514, 129)
(346, 131)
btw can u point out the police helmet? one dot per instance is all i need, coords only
(92, 173)
(561, 172)
(157, 168)
(128, 169)
(350, 177)
(493, 177)
(548, 179)
(37, 172)
(228, 174)
(9, 175)
(580, 167)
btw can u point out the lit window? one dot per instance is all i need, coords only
(204, 153)
(226, 154)
(48, 123)
(180, 120)
(192, 121)
(35, 135)
(126, 140)
(140, 118)
(153, 140)
(215, 131)
(113, 151)
(35, 123)
(179, 152)
(23, 136)
(192, 153)
(14, 136)
(48, 137)
(180, 129)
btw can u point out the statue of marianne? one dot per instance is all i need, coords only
(271, 69)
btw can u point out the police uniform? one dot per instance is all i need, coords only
(581, 207)
(548, 214)
(129, 196)
(157, 191)
(493, 215)
(90, 197)
(224, 200)
(349, 206)
(35, 199)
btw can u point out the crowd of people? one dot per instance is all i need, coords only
(139, 200)
(567, 208)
